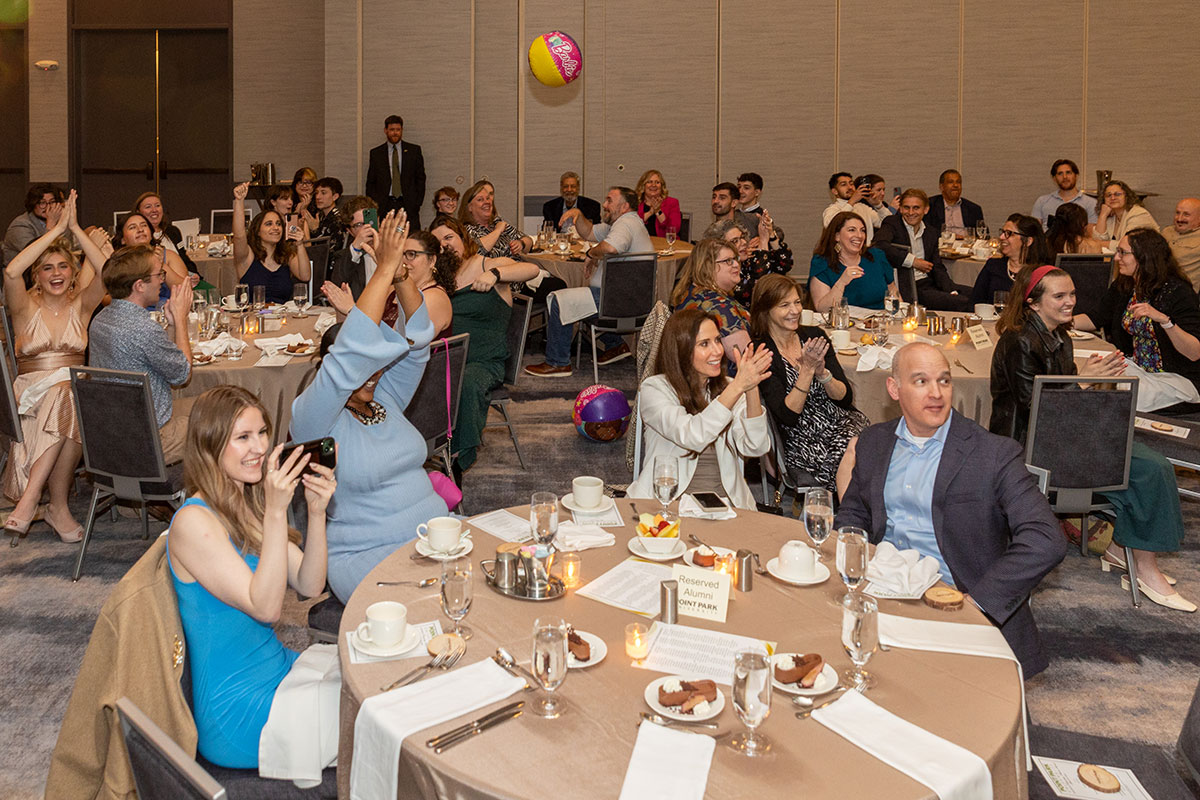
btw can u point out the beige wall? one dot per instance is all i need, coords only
(705, 89)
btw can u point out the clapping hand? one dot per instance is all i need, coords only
(279, 484)
(179, 304)
(766, 229)
(54, 214)
(1106, 366)
(393, 234)
(812, 353)
(753, 366)
(339, 296)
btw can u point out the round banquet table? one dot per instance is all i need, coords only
(963, 271)
(570, 268)
(276, 387)
(972, 701)
(971, 375)
(218, 271)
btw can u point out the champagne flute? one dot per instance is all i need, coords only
(456, 593)
(860, 637)
(666, 479)
(818, 516)
(852, 556)
(751, 701)
(549, 663)
(672, 235)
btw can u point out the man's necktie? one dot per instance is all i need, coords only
(396, 190)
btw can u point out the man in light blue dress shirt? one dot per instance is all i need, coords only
(1066, 175)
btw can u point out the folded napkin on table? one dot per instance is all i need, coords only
(901, 571)
(688, 507)
(220, 344)
(36, 390)
(385, 720)
(290, 307)
(277, 343)
(953, 772)
(324, 323)
(872, 355)
(219, 248)
(572, 536)
(668, 765)
(858, 312)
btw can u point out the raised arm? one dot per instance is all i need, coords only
(393, 233)
(91, 287)
(14, 282)
(242, 255)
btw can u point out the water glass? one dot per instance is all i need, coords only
(672, 237)
(241, 295)
(456, 593)
(549, 663)
(751, 700)
(258, 297)
(300, 298)
(998, 300)
(543, 516)
(880, 331)
(666, 479)
(818, 516)
(891, 303)
(840, 316)
(860, 637)
(852, 556)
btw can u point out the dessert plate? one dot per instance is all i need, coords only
(635, 547)
(599, 651)
(820, 575)
(689, 556)
(827, 681)
(673, 712)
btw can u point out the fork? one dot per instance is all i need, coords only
(963, 367)
(434, 663)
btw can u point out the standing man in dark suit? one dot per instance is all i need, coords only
(569, 197)
(951, 208)
(937, 482)
(911, 244)
(396, 173)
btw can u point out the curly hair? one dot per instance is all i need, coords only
(700, 268)
(677, 347)
(470, 246)
(1156, 264)
(446, 261)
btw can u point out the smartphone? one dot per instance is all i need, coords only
(897, 192)
(371, 217)
(709, 501)
(293, 222)
(323, 451)
(863, 182)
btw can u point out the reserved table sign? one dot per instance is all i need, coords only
(979, 337)
(703, 593)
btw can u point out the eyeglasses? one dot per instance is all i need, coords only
(304, 182)
(409, 255)
(1122, 252)
(162, 273)
(724, 261)
(42, 203)
(739, 239)
(1006, 233)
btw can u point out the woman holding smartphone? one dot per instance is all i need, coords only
(265, 254)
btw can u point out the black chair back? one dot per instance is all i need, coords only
(1082, 436)
(1091, 274)
(318, 257)
(518, 329)
(685, 226)
(161, 769)
(627, 291)
(10, 420)
(9, 339)
(427, 409)
(118, 428)
(906, 279)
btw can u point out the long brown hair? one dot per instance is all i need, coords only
(446, 262)
(700, 268)
(769, 291)
(468, 196)
(676, 349)
(284, 250)
(470, 246)
(1017, 310)
(1156, 264)
(210, 426)
(827, 244)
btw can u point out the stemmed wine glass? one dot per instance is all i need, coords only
(852, 556)
(751, 700)
(998, 300)
(456, 593)
(549, 663)
(818, 516)
(672, 235)
(860, 637)
(666, 480)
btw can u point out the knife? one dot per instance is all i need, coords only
(475, 723)
(808, 712)
(462, 737)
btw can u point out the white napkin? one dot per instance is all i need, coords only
(290, 307)
(385, 720)
(574, 304)
(324, 323)
(276, 343)
(688, 507)
(300, 737)
(573, 536)
(220, 344)
(668, 765)
(219, 249)
(858, 312)
(873, 355)
(901, 571)
(37, 390)
(953, 772)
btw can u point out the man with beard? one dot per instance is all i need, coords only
(1066, 175)
(43, 204)
(569, 198)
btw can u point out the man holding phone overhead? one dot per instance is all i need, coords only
(353, 265)
(396, 173)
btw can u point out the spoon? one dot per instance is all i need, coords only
(694, 539)
(758, 567)
(658, 719)
(510, 662)
(421, 584)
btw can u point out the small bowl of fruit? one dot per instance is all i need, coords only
(658, 532)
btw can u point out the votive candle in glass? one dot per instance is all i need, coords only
(571, 569)
(637, 641)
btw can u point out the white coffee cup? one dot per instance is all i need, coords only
(985, 310)
(587, 491)
(797, 560)
(442, 534)
(808, 316)
(840, 339)
(981, 253)
(386, 625)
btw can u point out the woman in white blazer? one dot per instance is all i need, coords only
(695, 412)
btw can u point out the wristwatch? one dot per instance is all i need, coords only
(495, 272)
(1167, 324)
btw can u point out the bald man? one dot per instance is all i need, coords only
(936, 482)
(1184, 238)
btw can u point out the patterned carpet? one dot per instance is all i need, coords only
(1116, 671)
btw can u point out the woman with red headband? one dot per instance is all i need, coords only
(1034, 341)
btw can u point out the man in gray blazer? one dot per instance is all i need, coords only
(937, 482)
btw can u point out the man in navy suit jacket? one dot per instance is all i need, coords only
(382, 187)
(569, 197)
(912, 244)
(950, 184)
(937, 482)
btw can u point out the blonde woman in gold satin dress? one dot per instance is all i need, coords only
(50, 325)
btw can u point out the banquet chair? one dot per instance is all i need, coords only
(906, 278)
(518, 329)
(1083, 459)
(10, 420)
(318, 256)
(220, 220)
(188, 227)
(646, 358)
(119, 218)
(434, 406)
(789, 478)
(121, 449)
(626, 299)
(1091, 275)
(161, 769)
(685, 226)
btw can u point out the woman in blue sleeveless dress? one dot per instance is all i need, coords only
(232, 557)
(265, 255)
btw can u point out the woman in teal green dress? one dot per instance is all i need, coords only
(482, 305)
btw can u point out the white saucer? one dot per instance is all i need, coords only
(568, 502)
(721, 551)
(989, 317)
(671, 712)
(463, 548)
(1080, 335)
(635, 547)
(822, 574)
(409, 641)
(827, 681)
(599, 651)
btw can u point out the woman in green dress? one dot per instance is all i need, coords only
(482, 305)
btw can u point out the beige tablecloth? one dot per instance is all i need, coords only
(276, 387)
(972, 375)
(972, 701)
(963, 271)
(664, 279)
(217, 271)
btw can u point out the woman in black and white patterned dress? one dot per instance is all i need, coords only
(807, 393)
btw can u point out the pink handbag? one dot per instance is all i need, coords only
(443, 485)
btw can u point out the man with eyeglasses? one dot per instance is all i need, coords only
(396, 173)
(1184, 238)
(1066, 175)
(569, 198)
(124, 336)
(354, 265)
(950, 208)
(43, 204)
(846, 196)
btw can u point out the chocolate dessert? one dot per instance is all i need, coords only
(805, 670)
(703, 690)
(578, 647)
